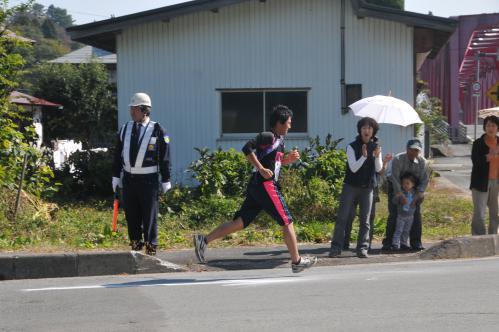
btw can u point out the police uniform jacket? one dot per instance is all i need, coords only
(150, 155)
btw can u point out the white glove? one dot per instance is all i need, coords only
(116, 183)
(165, 186)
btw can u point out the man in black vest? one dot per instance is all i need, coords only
(142, 159)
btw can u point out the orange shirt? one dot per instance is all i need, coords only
(494, 163)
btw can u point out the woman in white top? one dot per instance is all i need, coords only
(363, 161)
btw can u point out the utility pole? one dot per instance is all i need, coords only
(477, 94)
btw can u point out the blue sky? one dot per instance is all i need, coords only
(95, 10)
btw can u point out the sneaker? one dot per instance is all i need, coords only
(405, 247)
(136, 245)
(386, 247)
(305, 263)
(150, 249)
(418, 248)
(362, 253)
(200, 247)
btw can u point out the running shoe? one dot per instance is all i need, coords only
(200, 247)
(304, 263)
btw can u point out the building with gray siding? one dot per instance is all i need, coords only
(214, 69)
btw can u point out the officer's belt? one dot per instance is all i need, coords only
(141, 170)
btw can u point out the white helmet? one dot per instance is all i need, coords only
(140, 98)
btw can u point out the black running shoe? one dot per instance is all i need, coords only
(136, 245)
(150, 249)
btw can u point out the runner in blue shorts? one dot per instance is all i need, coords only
(266, 154)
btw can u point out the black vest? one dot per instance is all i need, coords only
(365, 177)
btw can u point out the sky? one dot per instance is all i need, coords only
(95, 10)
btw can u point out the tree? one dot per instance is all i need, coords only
(49, 49)
(16, 130)
(26, 25)
(431, 112)
(59, 16)
(51, 38)
(90, 111)
(38, 10)
(397, 4)
(48, 29)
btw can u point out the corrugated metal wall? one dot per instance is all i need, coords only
(272, 44)
(380, 57)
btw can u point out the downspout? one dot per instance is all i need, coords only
(414, 79)
(344, 108)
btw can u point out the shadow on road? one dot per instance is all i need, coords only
(189, 281)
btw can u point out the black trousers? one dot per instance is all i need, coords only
(416, 229)
(140, 197)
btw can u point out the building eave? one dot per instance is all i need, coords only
(363, 9)
(102, 34)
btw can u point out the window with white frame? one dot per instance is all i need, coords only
(248, 111)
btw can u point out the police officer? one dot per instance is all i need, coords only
(142, 160)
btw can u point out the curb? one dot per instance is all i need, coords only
(80, 264)
(464, 247)
(32, 266)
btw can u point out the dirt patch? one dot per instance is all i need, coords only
(442, 185)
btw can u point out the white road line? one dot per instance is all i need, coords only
(372, 275)
(148, 283)
(345, 272)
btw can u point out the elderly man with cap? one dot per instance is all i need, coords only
(142, 161)
(412, 162)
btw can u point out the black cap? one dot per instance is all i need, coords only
(414, 144)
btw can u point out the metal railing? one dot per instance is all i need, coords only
(459, 134)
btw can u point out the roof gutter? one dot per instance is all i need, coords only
(115, 25)
(363, 9)
(102, 34)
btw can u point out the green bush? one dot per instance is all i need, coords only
(324, 161)
(222, 173)
(317, 232)
(16, 131)
(307, 201)
(205, 210)
(16, 141)
(86, 174)
(313, 187)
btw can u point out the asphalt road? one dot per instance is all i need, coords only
(411, 296)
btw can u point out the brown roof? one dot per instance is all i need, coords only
(12, 35)
(20, 98)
